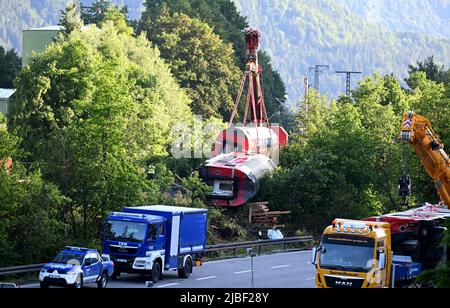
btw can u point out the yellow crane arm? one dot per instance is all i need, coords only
(418, 131)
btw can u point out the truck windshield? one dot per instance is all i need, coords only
(126, 231)
(65, 257)
(347, 257)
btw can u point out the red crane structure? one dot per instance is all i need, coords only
(253, 73)
(244, 154)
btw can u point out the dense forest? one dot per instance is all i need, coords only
(301, 33)
(101, 107)
(18, 15)
(419, 16)
(346, 34)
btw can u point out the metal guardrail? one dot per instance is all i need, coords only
(213, 248)
(20, 269)
(259, 244)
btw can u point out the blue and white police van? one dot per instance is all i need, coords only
(152, 239)
(75, 267)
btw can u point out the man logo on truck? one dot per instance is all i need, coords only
(344, 283)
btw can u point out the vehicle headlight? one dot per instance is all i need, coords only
(43, 271)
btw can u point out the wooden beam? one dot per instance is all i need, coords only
(276, 213)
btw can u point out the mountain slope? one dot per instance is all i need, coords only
(431, 17)
(18, 15)
(134, 6)
(366, 35)
(301, 33)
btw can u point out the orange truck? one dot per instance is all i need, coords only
(391, 250)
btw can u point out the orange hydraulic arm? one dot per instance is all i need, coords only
(417, 131)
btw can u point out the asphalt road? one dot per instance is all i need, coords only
(282, 270)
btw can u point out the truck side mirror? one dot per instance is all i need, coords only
(382, 262)
(315, 251)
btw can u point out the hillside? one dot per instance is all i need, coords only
(38, 13)
(18, 15)
(134, 6)
(429, 17)
(299, 34)
(371, 35)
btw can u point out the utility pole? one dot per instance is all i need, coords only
(318, 69)
(306, 85)
(349, 80)
(306, 98)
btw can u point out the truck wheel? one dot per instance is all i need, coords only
(44, 285)
(103, 281)
(79, 282)
(186, 271)
(156, 272)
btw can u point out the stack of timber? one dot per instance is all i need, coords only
(259, 213)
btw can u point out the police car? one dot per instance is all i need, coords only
(75, 267)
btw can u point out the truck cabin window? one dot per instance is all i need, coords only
(126, 231)
(154, 231)
(347, 257)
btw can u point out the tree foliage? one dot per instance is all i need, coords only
(71, 19)
(225, 21)
(201, 62)
(221, 15)
(344, 158)
(93, 111)
(433, 71)
(30, 209)
(347, 34)
(10, 65)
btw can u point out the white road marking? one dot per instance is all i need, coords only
(168, 285)
(311, 278)
(243, 272)
(206, 278)
(259, 256)
(280, 266)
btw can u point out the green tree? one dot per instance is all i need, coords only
(433, 71)
(221, 15)
(103, 10)
(93, 110)
(30, 209)
(71, 19)
(343, 160)
(201, 62)
(95, 13)
(226, 21)
(117, 17)
(10, 65)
